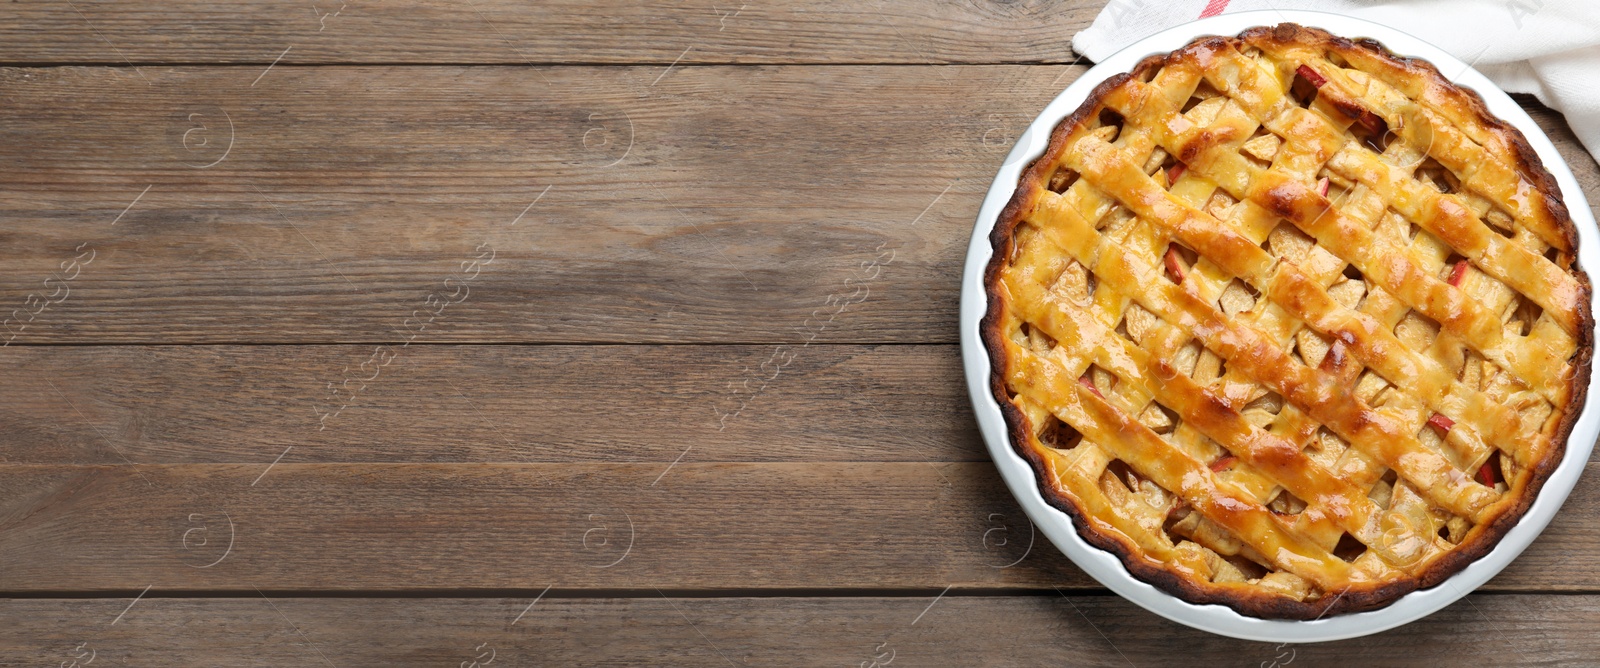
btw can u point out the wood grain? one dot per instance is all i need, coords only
(448, 403)
(421, 527)
(1480, 630)
(724, 204)
(446, 527)
(567, 31)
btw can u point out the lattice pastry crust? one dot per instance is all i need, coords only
(1288, 323)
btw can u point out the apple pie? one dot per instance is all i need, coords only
(1288, 323)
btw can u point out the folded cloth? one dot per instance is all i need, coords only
(1550, 48)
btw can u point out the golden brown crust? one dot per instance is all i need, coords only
(1495, 521)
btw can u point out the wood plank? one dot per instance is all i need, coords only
(446, 403)
(446, 527)
(419, 526)
(502, 31)
(1482, 630)
(723, 204)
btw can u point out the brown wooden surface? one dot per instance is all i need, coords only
(474, 404)
(700, 388)
(722, 204)
(564, 31)
(916, 630)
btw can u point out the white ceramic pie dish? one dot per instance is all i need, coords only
(1106, 567)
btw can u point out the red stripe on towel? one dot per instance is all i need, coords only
(1214, 8)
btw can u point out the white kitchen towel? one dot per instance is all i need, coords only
(1550, 48)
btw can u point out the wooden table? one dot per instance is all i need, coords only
(551, 333)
